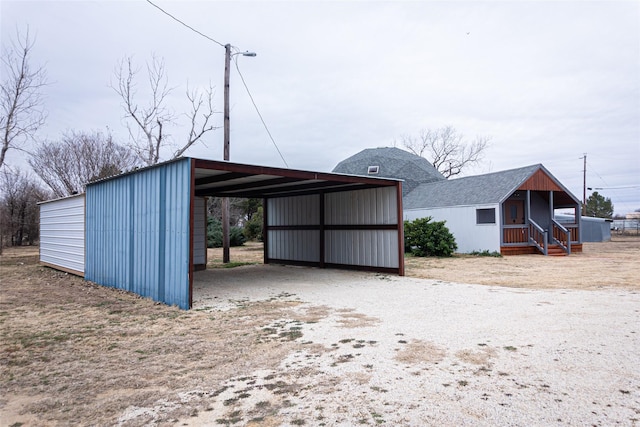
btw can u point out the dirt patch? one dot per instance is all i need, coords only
(418, 351)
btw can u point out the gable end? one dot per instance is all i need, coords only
(540, 181)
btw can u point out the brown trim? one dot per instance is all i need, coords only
(400, 227)
(65, 269)
(389, 270)
(191, 231)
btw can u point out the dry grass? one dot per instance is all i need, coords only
(600, 265)
(75, 353)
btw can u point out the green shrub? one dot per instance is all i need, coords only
(486, 252)
(425, 238)
(253, 227)
(214, 234)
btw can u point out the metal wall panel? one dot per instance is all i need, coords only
(292, 211)
(373, 248)
(199, 231)
(137, 232)
(372, 206)
(354, 228)
(62, 233)
(294, 245)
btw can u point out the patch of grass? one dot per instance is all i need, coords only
(230, 264)
(510, 348)
(298, 422)
(463, 383)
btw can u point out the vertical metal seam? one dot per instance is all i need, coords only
(131, 243)
(162, 235)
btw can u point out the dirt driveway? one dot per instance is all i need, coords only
(269, 345)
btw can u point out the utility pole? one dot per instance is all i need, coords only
(584, 185)
(225, 200)
(227, 131)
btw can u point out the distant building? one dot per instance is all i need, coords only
(511, 212)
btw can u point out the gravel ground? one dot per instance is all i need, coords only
(387, 350)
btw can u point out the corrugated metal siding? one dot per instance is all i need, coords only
(372, 206)
(378, 248)
(62, 233)
(138, 232)
(297, 210)
(294, 245)
(353, 228)
(199, 231)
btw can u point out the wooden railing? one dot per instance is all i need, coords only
(561, 236)
(515, 234)
(538, 236)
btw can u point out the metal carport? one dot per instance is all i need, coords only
(142, 227)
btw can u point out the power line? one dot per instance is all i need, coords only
(258, 111)
(237, 67)
(186, 25)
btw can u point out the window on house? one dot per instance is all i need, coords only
(373, 170)
(486, 216)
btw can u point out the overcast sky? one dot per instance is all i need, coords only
(547, 80)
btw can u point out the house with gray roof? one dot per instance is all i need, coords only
(511, 212)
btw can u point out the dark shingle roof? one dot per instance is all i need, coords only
(393, 163)
(473, 190)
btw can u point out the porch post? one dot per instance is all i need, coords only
(528, 205)
(551, 204)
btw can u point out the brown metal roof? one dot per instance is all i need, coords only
(225, 179)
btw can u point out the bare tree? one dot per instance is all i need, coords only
(21, 101)
(66, 166)
(446, 149)
(19, 218)
(151, 121)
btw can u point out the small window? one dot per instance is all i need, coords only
(486, 216)
(373, 170)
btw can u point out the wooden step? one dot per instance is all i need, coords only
(555, 250)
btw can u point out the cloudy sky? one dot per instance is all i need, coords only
(547, 81)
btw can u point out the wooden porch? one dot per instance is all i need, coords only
(522, 239)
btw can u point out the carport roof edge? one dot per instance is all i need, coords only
(227, 179)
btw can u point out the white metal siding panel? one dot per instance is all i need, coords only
(62, 233)
(199, 231)
(294, 245)
(297, 210)
(377, 248)
(138, 232)
(372, 206)
(461, 221)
